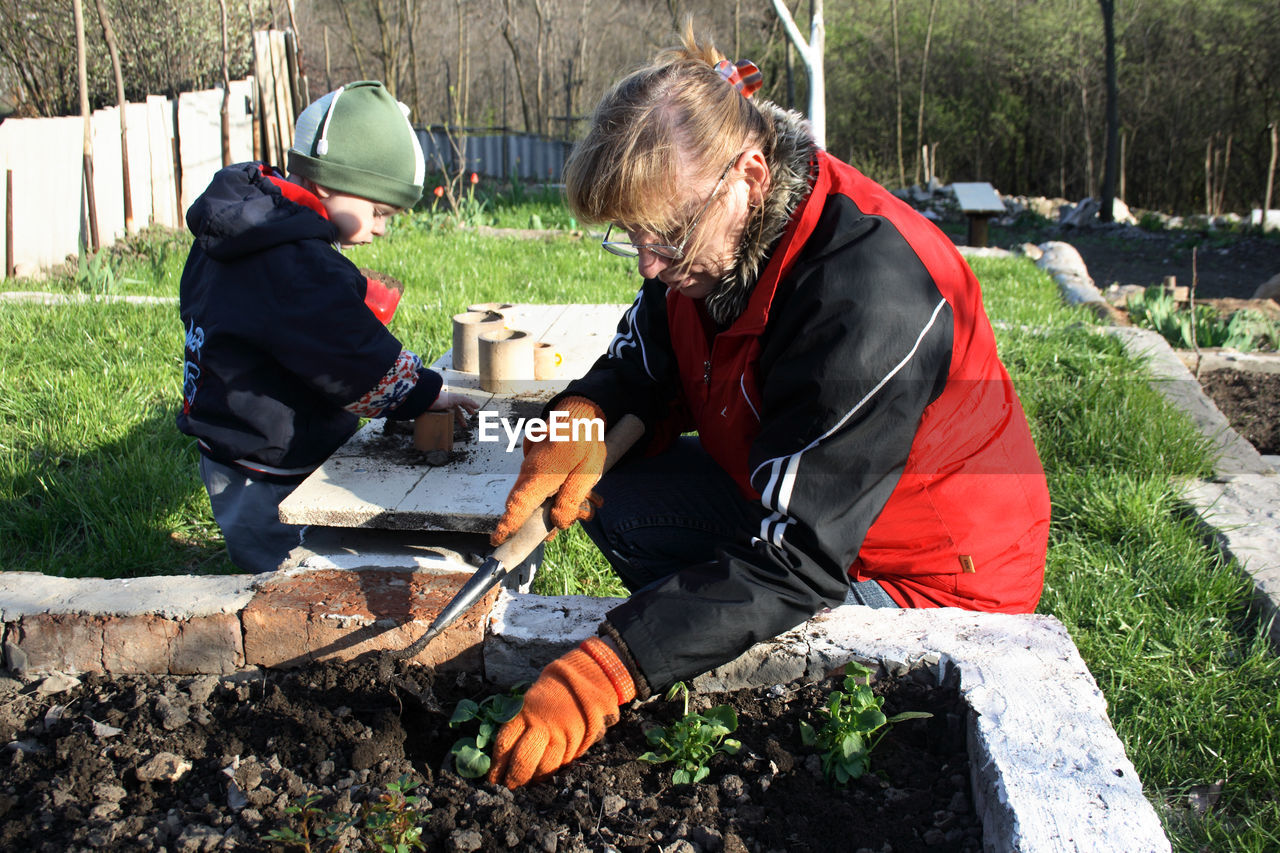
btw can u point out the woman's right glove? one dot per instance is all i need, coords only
(567, 709)
(566, 469)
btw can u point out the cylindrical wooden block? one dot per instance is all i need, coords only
(433, 431)
(546, 360)
(496, 307)
(506, 360)
(467, 328)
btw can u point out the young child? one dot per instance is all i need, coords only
(284, 350)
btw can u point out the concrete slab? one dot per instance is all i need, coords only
(1243, 516)
(170, 596)
(1049, 772)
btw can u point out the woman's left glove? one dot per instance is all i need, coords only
(567, 709)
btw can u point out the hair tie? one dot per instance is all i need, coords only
(743, 75)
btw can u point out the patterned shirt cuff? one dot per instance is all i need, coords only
(391, 390)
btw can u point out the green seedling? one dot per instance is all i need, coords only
(390, 824)
(393, 822)
(692, 740)
(470, 754)
(313, 829)
(852, 716)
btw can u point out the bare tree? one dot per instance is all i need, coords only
(897, 92)
(1107, 214)
(924, 73)
(109, 35)
(82, 75)
(811, 55)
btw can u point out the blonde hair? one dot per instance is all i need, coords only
(676, 109)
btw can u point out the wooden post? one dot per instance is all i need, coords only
(9, 268)
(978, 230)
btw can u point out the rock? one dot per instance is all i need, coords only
(102, 730)
(171, 716)
(198, 838)
(465, 840)
(612, 805)
(201, 689)
(58, 682)
(548, 841)
(1269, 289)
(163, 767)
(236, 799)
(109, 792)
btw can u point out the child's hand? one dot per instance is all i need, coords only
(461, 405)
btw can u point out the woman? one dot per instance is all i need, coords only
(857, 434)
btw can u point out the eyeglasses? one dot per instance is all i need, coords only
(672, 252)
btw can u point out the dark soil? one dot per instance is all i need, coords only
(1223, 265)
(77, 773)
(1251, 402)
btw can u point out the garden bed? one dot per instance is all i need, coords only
(1250, 401)
(87, 768)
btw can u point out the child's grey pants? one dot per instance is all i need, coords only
(248, 511)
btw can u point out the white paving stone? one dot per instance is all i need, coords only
(170, 596)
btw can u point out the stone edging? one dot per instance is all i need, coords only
(1240, 505)
(1048, 771)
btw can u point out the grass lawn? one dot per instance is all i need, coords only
(95, 480)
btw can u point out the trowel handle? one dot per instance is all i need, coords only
(519, 545)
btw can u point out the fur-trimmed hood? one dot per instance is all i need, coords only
(790, 166)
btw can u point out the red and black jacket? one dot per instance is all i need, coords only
(859, 397)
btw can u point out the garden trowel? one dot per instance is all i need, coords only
(513, 551)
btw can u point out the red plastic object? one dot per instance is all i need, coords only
(383, 297)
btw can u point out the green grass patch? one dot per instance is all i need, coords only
(95, 480)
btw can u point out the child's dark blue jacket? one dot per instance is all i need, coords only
(282, 355)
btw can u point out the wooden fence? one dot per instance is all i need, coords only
(175, 147)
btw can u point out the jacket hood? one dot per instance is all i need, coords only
(791, 180)
(244, 211)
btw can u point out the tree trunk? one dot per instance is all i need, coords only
(82, 73)
(1271, 174)
(511, 35)
(226, 90)
(109, 34)
(355, 42)
(811, 55)
(897, 94)
(1107, 213)
(924, 69)
(411, 15)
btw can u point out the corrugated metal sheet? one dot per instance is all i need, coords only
(496, 155)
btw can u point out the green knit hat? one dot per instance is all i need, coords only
(357, 140)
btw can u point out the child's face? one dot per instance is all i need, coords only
(357, 219)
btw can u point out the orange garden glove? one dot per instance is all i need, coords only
(567, 709)
(566, 469)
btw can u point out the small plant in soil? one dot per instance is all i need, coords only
(470, 754)
(390, 824)
(852, 716)
(693, 740)
(1245, 330)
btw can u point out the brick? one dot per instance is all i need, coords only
(342, 615)
(137, 643)
(66, 642)
(209, 644)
